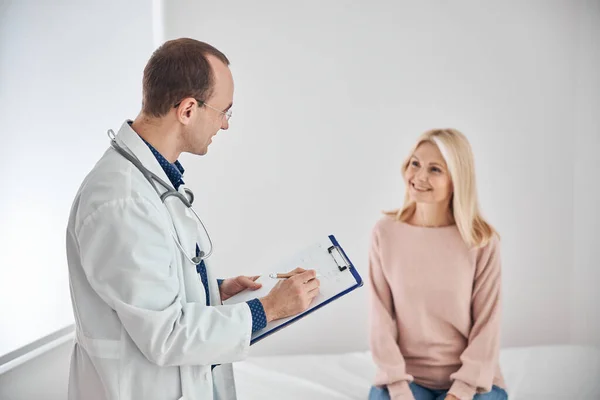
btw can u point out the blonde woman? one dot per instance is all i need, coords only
(435, 283)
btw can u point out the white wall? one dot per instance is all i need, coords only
(69, 70)
(347, 87)
(329, 98)
(586, 278)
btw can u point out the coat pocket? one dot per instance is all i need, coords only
(100, 348)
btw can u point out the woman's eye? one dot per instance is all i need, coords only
(414, 163)
(436, 170)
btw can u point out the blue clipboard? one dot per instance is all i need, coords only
(343, 262)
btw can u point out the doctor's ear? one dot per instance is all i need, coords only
(185, 108)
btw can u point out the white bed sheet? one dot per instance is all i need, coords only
(542, 372)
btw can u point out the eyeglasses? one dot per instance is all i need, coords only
(227, 114)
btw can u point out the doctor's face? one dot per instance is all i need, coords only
(214, 114)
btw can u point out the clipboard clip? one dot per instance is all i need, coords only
(345, 263)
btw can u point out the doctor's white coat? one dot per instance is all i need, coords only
(143, 330)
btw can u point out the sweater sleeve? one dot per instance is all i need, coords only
(391, 368)
(480, 358)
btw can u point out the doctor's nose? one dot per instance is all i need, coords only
(225, 124)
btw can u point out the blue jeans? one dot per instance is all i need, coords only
(421, 393)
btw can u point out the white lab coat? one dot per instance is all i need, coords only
(143, 330)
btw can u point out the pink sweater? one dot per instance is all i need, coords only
(435, 310)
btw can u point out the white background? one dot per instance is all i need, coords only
(68, 72)
(585, 316)
(330, 95)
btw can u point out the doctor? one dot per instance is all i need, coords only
(150, 323)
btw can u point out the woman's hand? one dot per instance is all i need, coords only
(451, 397)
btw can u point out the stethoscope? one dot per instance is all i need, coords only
(170, 191)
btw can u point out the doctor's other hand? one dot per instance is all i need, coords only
(291, 296)
(232, 286)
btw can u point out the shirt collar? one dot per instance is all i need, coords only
(174, 171)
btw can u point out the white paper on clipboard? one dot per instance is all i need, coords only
(337, 277)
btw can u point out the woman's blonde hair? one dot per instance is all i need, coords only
(464, 205)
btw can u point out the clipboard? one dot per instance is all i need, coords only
(335, 271)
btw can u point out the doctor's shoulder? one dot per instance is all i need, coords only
(112, 182)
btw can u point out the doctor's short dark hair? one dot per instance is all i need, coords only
(176, 70)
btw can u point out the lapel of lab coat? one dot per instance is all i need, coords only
(184, 222)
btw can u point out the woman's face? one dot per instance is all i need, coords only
(427, 177)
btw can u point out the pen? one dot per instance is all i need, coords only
(275, 275)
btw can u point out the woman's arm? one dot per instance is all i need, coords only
(391, 368)
(480, 358)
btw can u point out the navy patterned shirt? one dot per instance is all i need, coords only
(175, 174)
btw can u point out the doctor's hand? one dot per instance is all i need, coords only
(291, 296)
(232, 286)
